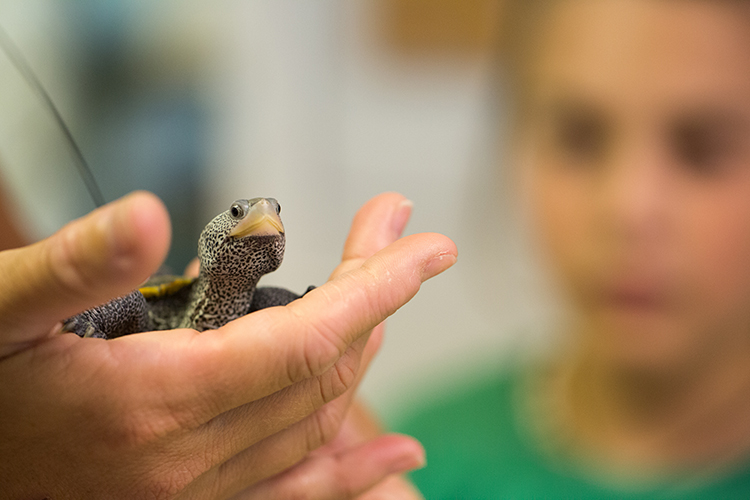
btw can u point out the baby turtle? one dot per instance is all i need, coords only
(235, 249)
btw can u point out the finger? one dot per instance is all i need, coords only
(377, 224)
(380, 222)
(359, 425)
(304, 339)
(392, 488)
(343, 475)
(239, 428)
(193, 268)
(209, 390)
(91, 260)
(326, 426)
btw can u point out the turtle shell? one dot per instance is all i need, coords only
(167, 298)
(164, 286)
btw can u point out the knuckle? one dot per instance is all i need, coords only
(382, 301)
(354, 309)
(321, 348)
(161, 486)
(324, 424)
(136, 430)
(365, 289)
(67, 263)
(320, 353)
(128, 427)
(344, 488)
(165, 472)
(339, 378)
(208, 383)
(174, 472)
(121, 412)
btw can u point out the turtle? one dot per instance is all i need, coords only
(235, 249)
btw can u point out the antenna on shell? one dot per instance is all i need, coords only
(21, 64)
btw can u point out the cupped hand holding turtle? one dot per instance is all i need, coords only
(178, 414)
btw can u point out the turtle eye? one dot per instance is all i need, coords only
(276, 204)
(237, 211)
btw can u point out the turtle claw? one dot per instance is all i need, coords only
(82, 328)
(93, 333)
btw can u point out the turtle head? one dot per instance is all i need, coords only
(246, 241)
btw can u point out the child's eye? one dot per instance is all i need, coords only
(581, 135)
(702, 146)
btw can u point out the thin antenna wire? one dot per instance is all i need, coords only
(19, 61)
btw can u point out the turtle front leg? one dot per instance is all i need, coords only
(269, 296)
(120, 316)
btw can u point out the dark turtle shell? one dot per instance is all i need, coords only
(164, 286)
(167, 297)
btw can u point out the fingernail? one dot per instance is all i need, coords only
(437, 265)
(401, 216)
(410, 462)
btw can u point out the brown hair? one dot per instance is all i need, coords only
(519, 39)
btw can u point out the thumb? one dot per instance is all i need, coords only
(100, 256)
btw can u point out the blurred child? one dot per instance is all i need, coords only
(634, 143)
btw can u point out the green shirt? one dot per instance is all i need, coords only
(479, 447)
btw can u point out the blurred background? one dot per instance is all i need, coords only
(321, 104)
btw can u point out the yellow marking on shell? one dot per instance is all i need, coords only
(165, 289)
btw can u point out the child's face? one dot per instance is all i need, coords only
(638, 147)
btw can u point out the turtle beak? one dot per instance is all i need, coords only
(261, 220)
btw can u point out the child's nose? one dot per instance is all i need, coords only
(636, 190)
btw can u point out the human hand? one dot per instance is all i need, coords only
(354, 465)
(359, 458)
(361, 462)
(176, 414)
